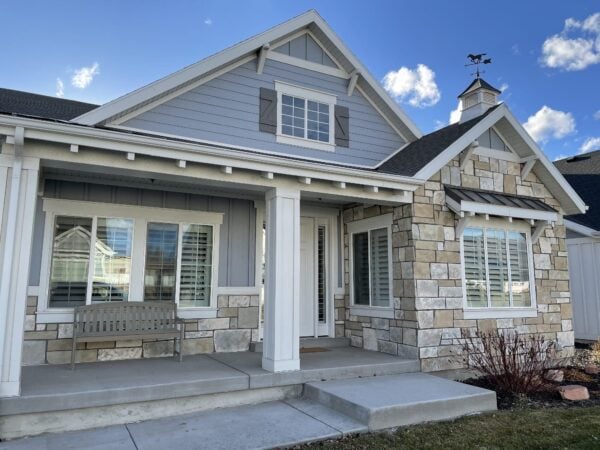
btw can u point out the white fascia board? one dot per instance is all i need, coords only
(188, 73)
(365, 74)
(459, 145)
(554, 172)
(581, 229)
(251, 45)
(204, 154)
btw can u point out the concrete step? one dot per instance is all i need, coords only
(397, 400)
(310, 342)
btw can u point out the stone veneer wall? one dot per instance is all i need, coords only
(428, 296)
(233, 329)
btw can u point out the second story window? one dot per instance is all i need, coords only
(305, 117)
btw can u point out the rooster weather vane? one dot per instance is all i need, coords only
(476, 60)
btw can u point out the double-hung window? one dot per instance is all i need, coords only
(370, 262)
(97, 252)
(497, 264)
(305, 117)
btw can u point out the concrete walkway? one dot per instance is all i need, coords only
(267, 425)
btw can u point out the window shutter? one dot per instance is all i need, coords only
(342, 126)
(268, 111)
(380, 274)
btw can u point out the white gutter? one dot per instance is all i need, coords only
(204, 154)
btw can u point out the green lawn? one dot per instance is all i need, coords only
(533, 428)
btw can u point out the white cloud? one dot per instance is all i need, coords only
(60, 88)
(84, 76)
(549, 123)
(416, 87)
(515, 49)
(576, 47)
(208, 21)
(504, 87)
(454, 114)
(597, 115)
(590, 144)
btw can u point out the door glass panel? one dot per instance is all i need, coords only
(360, 246)
(161, 262)
(70, 261)
(321, 277)
(112, 260)
(380, 272)
(196, 266)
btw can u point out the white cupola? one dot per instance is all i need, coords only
(476, 99)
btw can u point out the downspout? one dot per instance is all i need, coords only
(9, 247)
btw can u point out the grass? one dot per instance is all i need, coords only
(522, 429)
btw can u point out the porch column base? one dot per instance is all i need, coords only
(10, 388)
(289, 365)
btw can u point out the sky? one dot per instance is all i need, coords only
(545, 53)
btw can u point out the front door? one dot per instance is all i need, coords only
(313, 277)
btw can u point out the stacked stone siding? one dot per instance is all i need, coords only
(235, 326)
(428, 294)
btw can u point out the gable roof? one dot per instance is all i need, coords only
(44, 106)
(583, 173)
(426, 156)
(421, 152)
(311, 21)
(479, 83)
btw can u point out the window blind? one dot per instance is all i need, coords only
(380, 274)
(161, 261)
(321, 279)
(360, 257)
(475, 268)
(196, 266)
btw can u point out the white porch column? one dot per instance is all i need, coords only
(18, 196)
(281, 342)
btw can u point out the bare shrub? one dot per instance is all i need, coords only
(594, 352)
(511, 362)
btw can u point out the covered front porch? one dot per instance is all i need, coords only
(142, 183)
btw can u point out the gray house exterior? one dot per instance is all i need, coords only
(274, 191)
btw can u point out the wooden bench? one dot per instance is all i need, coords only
(120, 321)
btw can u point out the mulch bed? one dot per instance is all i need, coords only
(548, 397)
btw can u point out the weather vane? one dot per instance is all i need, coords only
(476, 60)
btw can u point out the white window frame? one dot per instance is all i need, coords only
(365, 226)
(488, 312)
(308, 95)
(141, 215)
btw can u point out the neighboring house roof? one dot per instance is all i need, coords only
(36, 105)
(416, 155)
(583, 173)
(186, 77)
(495, 198)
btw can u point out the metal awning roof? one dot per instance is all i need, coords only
(476, 201)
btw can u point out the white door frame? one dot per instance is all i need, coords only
(327, 217)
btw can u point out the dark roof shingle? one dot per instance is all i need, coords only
(36, 105)
(583, 173)
(419, 153)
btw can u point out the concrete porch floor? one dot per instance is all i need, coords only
(57, 388)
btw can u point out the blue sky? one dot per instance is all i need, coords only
(549, 68)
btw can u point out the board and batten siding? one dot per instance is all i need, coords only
(226, 110)
(237, 246)
(584, 267)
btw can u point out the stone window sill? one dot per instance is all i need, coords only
(369, 311)
(499, 313)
